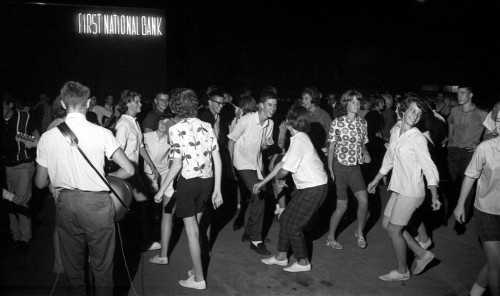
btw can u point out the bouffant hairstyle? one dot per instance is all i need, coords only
(341, 107)
(408, 100)
(127, 96)
(298, 119)
(313, 93)
(248, 104)
(74, 94)
(184, 103)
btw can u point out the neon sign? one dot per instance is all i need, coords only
(113, 24)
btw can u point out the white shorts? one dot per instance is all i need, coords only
(400, 208)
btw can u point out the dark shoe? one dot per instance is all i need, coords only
(260, 248)
(23, 246)
(246, 238)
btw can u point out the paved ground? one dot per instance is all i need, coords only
(236, 270)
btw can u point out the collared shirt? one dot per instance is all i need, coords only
(194, 141)
(485, 165)
(322, 117)
(249, 137)
(151, 120)
(348, 135)
(158, 149)
(409, 157)
(66, 166)
(468, 126)
(129, 135)
(489, 123)
(303, 162)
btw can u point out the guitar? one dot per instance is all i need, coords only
(124, 190)
(28, 140)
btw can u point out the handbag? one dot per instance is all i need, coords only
(121, 191)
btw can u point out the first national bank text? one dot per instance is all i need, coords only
(112, 24)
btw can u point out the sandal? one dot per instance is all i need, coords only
(334, 245)
(361, 241)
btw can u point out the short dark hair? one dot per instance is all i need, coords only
(215, 93)
(127, 96)
(468, 87)
(298, 118)
(184, 102)
(74, 94)
(314, 93)
(266, 95)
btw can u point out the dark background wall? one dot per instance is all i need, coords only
(369, 45)
(44, 50)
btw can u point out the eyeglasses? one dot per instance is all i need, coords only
(220, 103)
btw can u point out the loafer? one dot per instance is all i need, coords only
(158, 260)
(273, 261)
(192, 284)
(154, 246)
(260, 248)
(419, 264)
(295, 267)
(394, 275)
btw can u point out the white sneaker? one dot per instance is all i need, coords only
(419, 265)
(394, 275)
(272, 261)
(295, 267)
(154, 246)
(191, 283)
(158, 260)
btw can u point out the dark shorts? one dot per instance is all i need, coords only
(191, 195)
(347, 176)
(488, 226)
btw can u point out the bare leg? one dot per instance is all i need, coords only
(192, 231)
(413, 245)
(335, 219)
(166, 228)
(399, 246)
(281, 256)
(362, 197)
(492, 250)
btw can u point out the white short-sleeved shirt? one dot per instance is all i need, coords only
(409, 157)
(249, 137)
(158, 150)
(303, 162)
(66, 166)
(485, 165)
(129, 135)
(193, 141)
